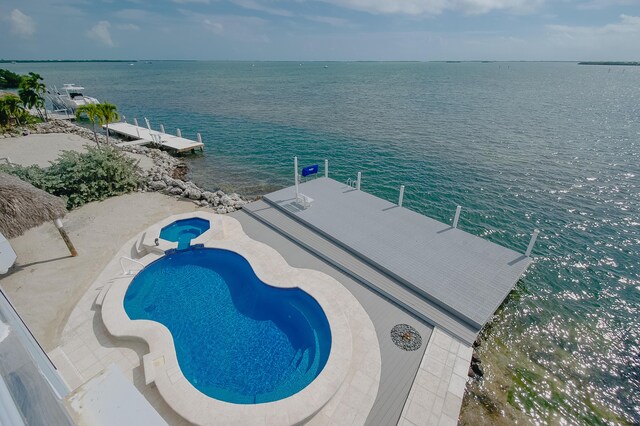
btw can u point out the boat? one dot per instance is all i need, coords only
(69, 98)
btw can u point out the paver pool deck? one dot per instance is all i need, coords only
(352, 236)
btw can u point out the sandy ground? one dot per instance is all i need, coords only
(41, 149)
(46, 283)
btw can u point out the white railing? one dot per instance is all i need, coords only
(129, 272)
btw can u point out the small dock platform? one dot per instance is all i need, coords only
(145, 136)
(461, 278)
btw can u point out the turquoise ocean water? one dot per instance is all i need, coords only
(554, 146)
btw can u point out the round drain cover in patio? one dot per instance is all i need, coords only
(406, 337)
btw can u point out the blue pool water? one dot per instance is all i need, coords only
(183, 231)
(237, 339)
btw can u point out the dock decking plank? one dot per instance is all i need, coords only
(143, 136)
(368, 275)
(464, 274)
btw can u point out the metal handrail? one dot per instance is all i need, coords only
(129, 272)
(351, 182)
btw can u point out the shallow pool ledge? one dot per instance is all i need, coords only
(161, 364)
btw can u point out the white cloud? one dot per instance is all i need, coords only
(214, 27)
(21, 25)
(330, 20)
(127, 27)
(132, 14)
(254, 5)
(243, 29)
(627, 25)
(614, 41)
(433, 7)
(603, 4)
(100, 32)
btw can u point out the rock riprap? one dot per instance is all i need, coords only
(166, 175)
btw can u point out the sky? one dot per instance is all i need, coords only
(305, 30)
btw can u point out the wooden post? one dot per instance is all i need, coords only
(65, 237)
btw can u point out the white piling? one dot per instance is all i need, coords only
(295, 175)
(178, 133)
(124, 118)
(401, 196)
(532, 242)
(199, 138)
(326, 168)
(457, 216)
(358, 181)
(162, 128)
(148, 124)
(135, 121)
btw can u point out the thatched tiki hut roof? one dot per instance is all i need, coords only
(23, 206)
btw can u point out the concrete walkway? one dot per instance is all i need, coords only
(46, 283)
(41, 149)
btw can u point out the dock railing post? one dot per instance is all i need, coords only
(135, 121)
(295, 175)
(162, 128)
(178, 133)
(401, 197)
(146, 120)
(326, 168)
(124, 118)
(358, 181)
(457, 216)
(199, 137)
(532, 242)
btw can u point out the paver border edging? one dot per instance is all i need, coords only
(161, 364)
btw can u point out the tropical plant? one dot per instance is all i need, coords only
(9, 80)
(80, 178)
(107, 113)
(31, 93)
(11, 108)
(92, 113)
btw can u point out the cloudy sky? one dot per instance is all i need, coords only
(321, 29)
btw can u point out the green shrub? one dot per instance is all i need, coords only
(9, 80)
(80, 178)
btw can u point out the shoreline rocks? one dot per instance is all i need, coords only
(167, 176)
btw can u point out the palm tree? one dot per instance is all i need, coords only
(92, 113)
(31, 92)
(107, 113)
(12, 107)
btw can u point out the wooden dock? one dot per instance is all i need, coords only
(447, 277)
(145, 136)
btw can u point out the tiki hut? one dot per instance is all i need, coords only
(23, 206)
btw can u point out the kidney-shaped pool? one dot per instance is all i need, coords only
(237, 339)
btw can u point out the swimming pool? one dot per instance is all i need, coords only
(184, 230)
(236, 338)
